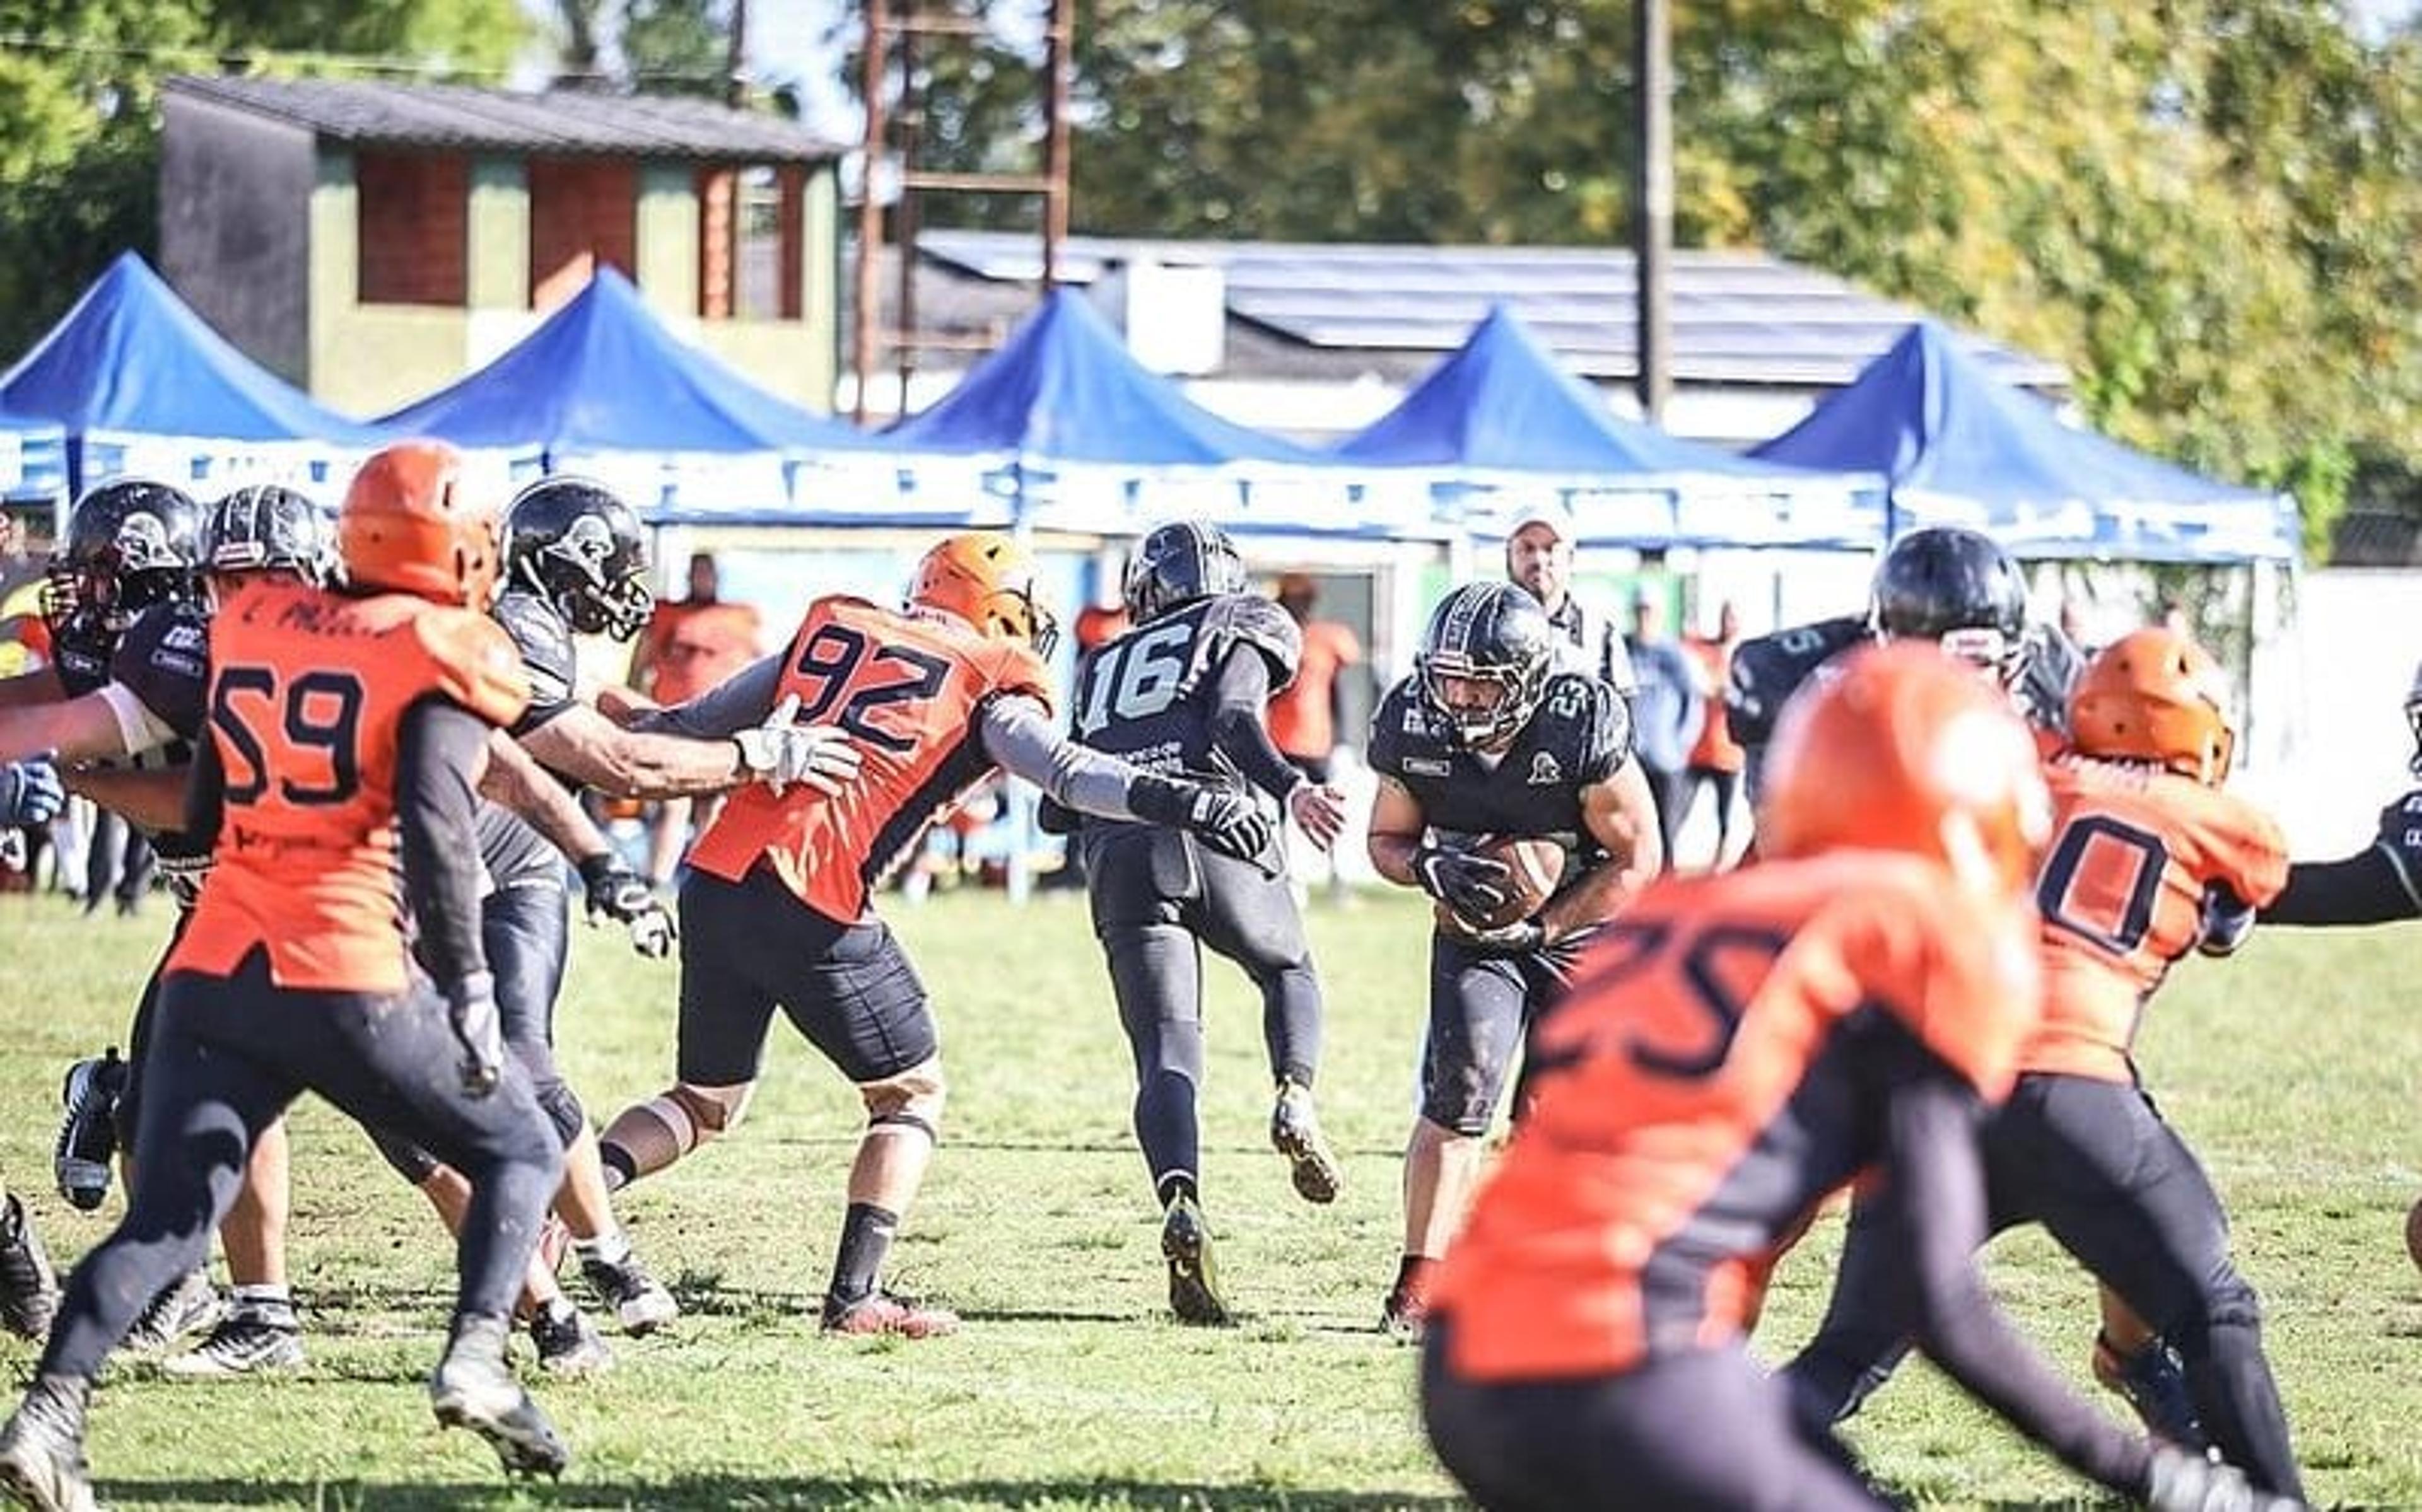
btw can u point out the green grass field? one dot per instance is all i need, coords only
(2294, 1070)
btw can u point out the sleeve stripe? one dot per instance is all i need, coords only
(2404, 873)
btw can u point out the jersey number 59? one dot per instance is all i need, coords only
(312, 723)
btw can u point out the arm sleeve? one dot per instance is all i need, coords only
(1236, 729)
(205, 793)
(438, 748)
(2370, 888)
(721, 712)
(1019, 737)
(1935, 1201)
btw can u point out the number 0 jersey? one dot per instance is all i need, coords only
(2122, 893)
(308, 691)
(1719, 1066)
(910, 689)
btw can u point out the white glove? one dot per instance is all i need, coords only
(2187, 1482)
(779, 753)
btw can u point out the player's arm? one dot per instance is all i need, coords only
(2370, 888)
(614, 891)
(593, 750)
(101, 725)
(1621, 815)
(1396, 828)
(744, 714)
(1238, 730)
(441, 754)
(1018, 735)
(39, 686)
(153, 798)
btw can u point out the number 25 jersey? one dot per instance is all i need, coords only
(910, 689)
(309, 691)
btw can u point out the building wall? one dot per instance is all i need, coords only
(235, 204)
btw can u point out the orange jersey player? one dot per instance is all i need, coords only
(1732, 1048)
(345, 732)
(2149, 860)
(934, 696)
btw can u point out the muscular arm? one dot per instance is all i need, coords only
(1397, 825)
(2369, 888)
(518, 782)
(40, 686)
(593, 750)
(440, 753)
(1622, 816)
(1236, 723)
(104, 725)
(154, 799)
(721, 712)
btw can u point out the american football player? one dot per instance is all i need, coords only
(2149, 860)
(936, 695)
(2378, 884)
(346, 733)
(1734, 1048)
(1487, 739)
(30, 793)
(1181, 694)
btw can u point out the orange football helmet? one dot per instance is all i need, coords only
(986, 579)
(411, 526)
(2155, 696)
(1905, 748)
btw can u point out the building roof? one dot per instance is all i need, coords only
(1738, 318)
(551, 122)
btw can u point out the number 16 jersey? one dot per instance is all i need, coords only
(910, 688)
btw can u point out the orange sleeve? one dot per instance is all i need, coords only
(2244, 847)
(1019, 670)
(472, 660)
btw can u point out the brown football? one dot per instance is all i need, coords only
(1534, 868)
(2413, 1232)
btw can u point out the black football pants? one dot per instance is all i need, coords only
(226, 1056)
(2096, 1166)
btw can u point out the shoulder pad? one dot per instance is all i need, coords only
(1769, 669)
(2401, 826)
(1401, 727)
(471, 660)
(1016, 669)
(1247, 619)
(1604, 725)
(163, 660)
(545, 641)
(2051, 669)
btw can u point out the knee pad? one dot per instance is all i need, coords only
(912, 1099)
(1461, 1099)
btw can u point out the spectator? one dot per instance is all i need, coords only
(690, 644)
(1307, 715)
(119, 862)
(1717, 759)
(1668, 706)
(1539, 556)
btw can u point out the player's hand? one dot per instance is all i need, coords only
(30, 793)
(471, 1013)
(1473, 885)
(1228, 822)
(2185, 1481)
(616, 892)
(779, 752)
(1319, 810)
(1520, 938)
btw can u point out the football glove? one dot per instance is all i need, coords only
(1228, 822)
(30, 793)
(779, 752)
(1473, 885)
(616, 892)
(471, 1013)
(2185, 1481)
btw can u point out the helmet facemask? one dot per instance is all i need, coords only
(1483, 706)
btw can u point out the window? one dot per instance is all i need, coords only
(411, 225)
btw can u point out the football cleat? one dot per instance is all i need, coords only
(29, 1288)
(186, 1305)
(641, 1303)
(568, 1344)
(879, 1313)
(254, 1338)
(88, 1141)
(1295, 1133)
(1407, 1311)
(1193, 1278)
(41, 1450)
(474, 1389)
(2154, 1382)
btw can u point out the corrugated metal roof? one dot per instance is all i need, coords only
(576, 122)
(1738, 318)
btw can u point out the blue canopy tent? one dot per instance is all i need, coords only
(1958, 446)
(601, 388)
(140, 384)
(33, 460)
(1076, 434)
(1502, 429)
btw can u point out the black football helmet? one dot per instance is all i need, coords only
(2413, 722)
(1178, 563)
(1485, 661)
(129, 544)
(1953, 585)
(583, 551)
(266, 528)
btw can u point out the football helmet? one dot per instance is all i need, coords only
(2413, 722)
(1485, 661)
(986, 579)
(1904, 749)
(1178, 563)
(2155, 696)
(267, 528)
(410, 525)
(1954, 586)
(583, 551)
(131, 544)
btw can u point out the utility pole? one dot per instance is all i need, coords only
(1653, 203)
(736, 63)
(870, 205)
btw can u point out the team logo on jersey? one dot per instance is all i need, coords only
(1545, 769)
(1428, 767)
(586, 545)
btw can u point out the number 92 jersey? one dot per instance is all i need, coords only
(1148, 694)
(910, 689)
(1580, 736)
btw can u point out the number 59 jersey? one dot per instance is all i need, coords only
(307, 695)
(910, 689)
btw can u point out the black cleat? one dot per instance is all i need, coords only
(474, 1389)
(88, 1141)
(1193, 1279)
(1295, 1133)
(2154, 1382)
(640, 1302)
(186, 1305)
(254, 1338)
(29, 1288)
(41, 1450)
(568, 1344)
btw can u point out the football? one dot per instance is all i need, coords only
(2413, 1232)
(1534, 868)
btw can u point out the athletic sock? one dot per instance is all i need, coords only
(865, 1243)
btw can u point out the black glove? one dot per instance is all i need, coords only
(2185, 1481)
(1224, 819)
(616, 892)
(471, 1013)
(1520, 938)
(1473, 885)
(1053, 817)
(30, 793)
